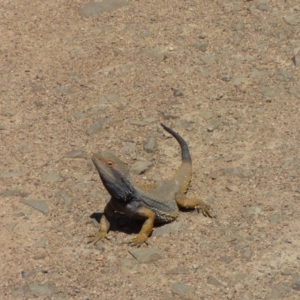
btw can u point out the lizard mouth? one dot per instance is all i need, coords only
(115, 183)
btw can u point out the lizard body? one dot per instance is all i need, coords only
(159, 204)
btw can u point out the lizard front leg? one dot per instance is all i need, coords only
(198, 204)
(147, 227)
(104, 224)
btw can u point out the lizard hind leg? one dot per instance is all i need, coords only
(195, 203)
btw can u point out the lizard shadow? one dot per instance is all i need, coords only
(120, 222)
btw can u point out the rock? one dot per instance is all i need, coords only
(176, 93)
(78, 186)
(239, 80)
(294, 90)
(39, 205)
(51, 177)
(296, 284)
(284, 76)
(231, 188)
(143, 122)
(275, 218)
(213, 281)
(11, 226)
(296, 197)
(127, 265)
(95, 9)
(238, 36)
(206, 115)
(142, 35)
(295, 60)
(35, 89)
(169, 228)
(2, 127)
(110, 98)
(293, 19)
(146, 255)
(40, 243)
(61, 89)
(166, 115)
(214, 175)
(200, 46)
(39, 75)
(19, 214)
(129, 148)
(36, 290)
(239, 27)
(13, 193)
(290, 162)
(236, 171)
(247, 253)
(241, 245)
(150, 120)
(91, 112)
(68, 200)
(213, 125)
(225, 77)
(259, 73)
(139, 123)
(204, 189)
(252, 211)
(207, 59)
(168, 70)
(181, 289)
(279, 290)
(226, 259)
(10, 174)
(39, 256)
(286, 272)
(150, 144)
(178, 270)
(140, 167)
(96, 126)
(156, 55)
(269, 91)
(27, 273)
(75, 154)
(262, 6)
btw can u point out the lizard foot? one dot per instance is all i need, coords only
(139, 240)
(205, 209)
(94, 238)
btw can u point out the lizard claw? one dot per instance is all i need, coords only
(205, 209)
(94, 238)
(138, 240)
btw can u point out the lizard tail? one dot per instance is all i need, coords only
(185, 153)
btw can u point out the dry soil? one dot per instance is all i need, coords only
(78, 77)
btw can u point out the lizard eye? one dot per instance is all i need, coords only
(109, 163)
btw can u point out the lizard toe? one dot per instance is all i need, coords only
(94, 238)
(138, 240)
(205, 209)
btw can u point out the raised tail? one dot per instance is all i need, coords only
(185, 153)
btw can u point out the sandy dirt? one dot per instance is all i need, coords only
(77, 79)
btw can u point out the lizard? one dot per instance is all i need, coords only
(157, 205)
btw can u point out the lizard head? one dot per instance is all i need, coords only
(114, 175)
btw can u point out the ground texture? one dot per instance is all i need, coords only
(79, 77)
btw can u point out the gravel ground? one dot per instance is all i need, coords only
(78, 77)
